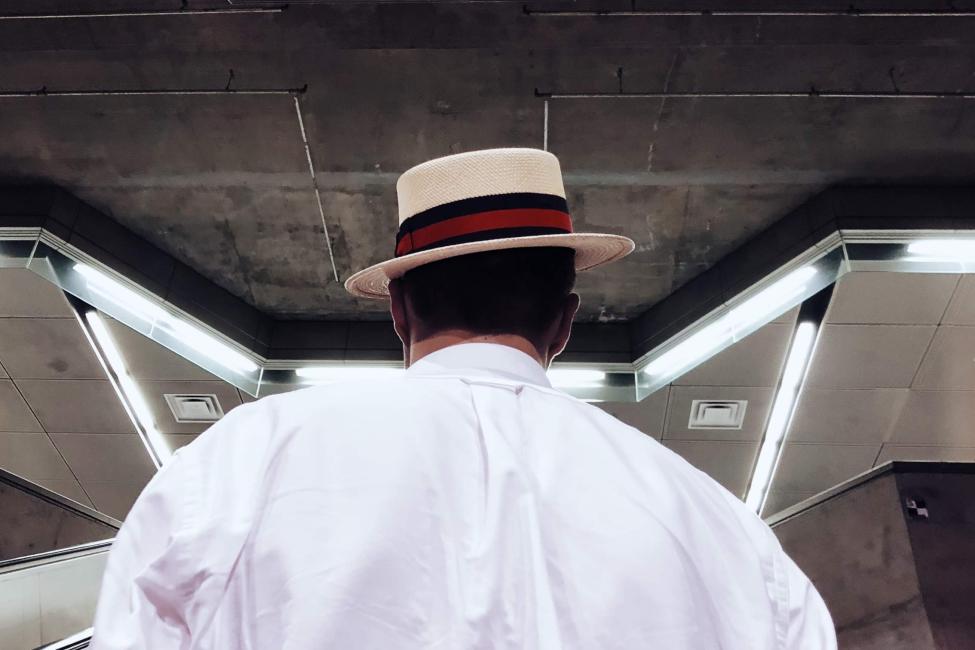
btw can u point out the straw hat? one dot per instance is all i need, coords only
(480, 201)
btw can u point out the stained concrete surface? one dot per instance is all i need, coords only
(893, 576)
(221, 182)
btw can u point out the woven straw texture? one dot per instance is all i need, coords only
(477, 173)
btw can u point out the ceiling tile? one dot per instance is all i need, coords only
(728, 463)
(778, 500)
(114, 498)
(47, 348)
(76, 405)
(178, 440)
(891, 298)
(646, 415)
(96, 457)
(154, 393)
(961, 311)
(32, 456)
(846, 416)
(806, 467)
(24, 293)
(918, 452)
(3, 372)
(754, 361)
(950, 362)
(679, 412)
(937, 418)
(868, 356)
(15, 415)
(146, 359)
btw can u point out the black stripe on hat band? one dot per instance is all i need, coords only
(481, 204)
(493, 234)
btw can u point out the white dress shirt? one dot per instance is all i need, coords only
(466, 504)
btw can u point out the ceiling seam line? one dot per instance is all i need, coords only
(143, 14)
(314, 183)
(125, 92)
(812, 93)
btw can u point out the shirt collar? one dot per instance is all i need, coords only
(482, 359)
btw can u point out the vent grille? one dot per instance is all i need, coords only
(194, 408)
(717, 414)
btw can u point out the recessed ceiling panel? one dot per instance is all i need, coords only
(846, 416)
(15, 414)
(950, 362)
(813, 467)
(892, 298)
(868, 356)
(944, 418)
(729, 463)
(25, 294)
(76, 406)
(47, 348)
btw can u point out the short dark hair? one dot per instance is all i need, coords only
(514, 291)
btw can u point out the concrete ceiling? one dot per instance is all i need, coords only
(892, 378)
(221, 182)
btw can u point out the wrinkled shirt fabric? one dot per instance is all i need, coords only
(464, 505)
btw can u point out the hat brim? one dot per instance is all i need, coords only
(592, 250)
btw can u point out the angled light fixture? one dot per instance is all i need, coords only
(576, 377)
(132, 303)
(734, 325)
(122, 296)
(129, 392)
(941, 250)
(782, 409)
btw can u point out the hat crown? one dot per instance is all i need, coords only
(475, 174)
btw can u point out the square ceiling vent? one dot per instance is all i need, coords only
(194, 408)
(717, 414)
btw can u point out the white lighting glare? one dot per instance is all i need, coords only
(122, 296)
(941, 250)
(781, 414)
(329, 374)
(209, 346)
(576, 377)
(130, 390)
(143, 308)
(758, 309)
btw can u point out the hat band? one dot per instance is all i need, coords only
(482, 219)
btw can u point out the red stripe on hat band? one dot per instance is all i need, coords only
(480, 222)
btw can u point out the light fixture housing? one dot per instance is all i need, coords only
(782, 409)
(129, 392)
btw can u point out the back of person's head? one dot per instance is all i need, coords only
(515, 291)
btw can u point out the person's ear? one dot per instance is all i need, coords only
(564, 329)
(401, 319)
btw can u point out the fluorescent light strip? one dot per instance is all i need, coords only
(941, 250)
(131, 394)
(144, 309)
(782, 409)
(756, 310)
(576, 377)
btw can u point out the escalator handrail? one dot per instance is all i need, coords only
(57, 555)
(74, 642)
